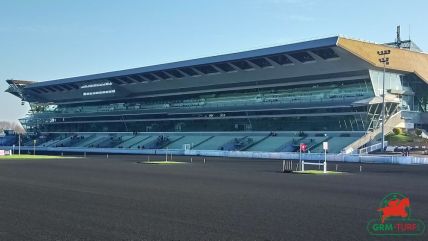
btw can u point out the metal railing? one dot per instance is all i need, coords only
(371, 148)
(393, 121)
(387, 159)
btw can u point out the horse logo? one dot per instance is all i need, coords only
(395, 218)
(396, 206)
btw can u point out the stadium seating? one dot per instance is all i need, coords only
(133, 141)
(192, 140)
(273, 143)
(215, 143)
(336, 144)
(241, 141)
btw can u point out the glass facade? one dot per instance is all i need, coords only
(311, 107)
(314, 107)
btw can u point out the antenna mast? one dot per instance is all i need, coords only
(398, 39)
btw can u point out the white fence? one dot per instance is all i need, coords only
(5, 153)
(371, 148)
(323, 164)
(408, 160)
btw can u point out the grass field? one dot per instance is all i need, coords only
(318, 172)
(26, 156)
(405, 139)
(163, 162)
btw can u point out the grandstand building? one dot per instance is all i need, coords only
(267, 99)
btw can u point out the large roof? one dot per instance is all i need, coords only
(295, 47)
(297, 63)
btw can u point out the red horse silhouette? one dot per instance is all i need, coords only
(395, 208)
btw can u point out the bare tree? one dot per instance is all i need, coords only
(9, 125)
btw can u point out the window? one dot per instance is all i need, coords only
(189, 71)
(302, 57)
(51, 89)
(127, 80)
(225, 67)
(56, 87)
(161, 74)
(66, 87)
(116, 81)
(280, 59)
(150, 77)
(326, 53)
(244, 65)
(175, 73)
(74, 86)
(262, 62)
(206, 69)
(137, 78)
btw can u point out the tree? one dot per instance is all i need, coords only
(397, 131)
(418, 132)
(9, 125)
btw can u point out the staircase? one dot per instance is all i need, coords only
(390, 124)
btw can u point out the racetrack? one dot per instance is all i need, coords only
(96, 198)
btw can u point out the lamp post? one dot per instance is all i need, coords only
(385, 61)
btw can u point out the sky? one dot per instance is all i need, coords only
(52, 39)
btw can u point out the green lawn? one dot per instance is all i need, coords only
(163, 162)
(318, 172)
(399, 139)
(26, 156)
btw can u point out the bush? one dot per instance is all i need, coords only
(418, 132)
(397, 131)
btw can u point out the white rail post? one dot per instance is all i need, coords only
(325, 160)
(303, 166)
(19, 144)
(325, 166)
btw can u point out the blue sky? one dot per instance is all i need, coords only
(51, 39)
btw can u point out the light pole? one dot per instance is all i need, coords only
(385, 61)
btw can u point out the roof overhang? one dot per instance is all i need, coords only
(295, 47)
(249, 68)
(400, 59)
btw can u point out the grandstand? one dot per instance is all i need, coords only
(269, 99)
